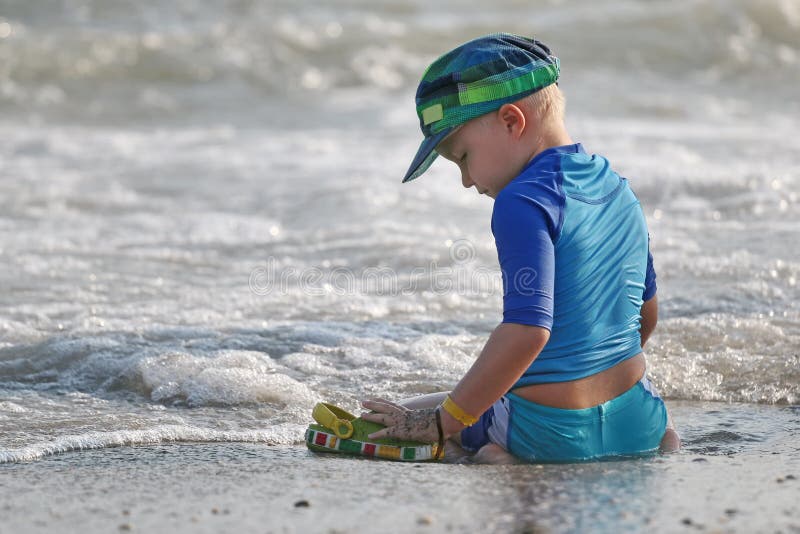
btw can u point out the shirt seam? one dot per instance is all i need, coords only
(602, 200)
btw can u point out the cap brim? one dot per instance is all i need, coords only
(425, 155)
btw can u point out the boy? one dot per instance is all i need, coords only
(562, 377)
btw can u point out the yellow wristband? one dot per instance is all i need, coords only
(458, 414)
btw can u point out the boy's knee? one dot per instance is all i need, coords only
(671, 441)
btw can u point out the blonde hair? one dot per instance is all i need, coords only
(547, 103)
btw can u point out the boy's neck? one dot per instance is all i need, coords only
(554, 134)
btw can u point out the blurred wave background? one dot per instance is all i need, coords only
(155, 155)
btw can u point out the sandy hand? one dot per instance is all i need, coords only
(400, 422)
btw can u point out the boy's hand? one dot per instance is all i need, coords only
(401, 423)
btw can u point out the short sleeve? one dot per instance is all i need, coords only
(650, 287)
(525, 228)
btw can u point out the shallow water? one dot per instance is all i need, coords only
(726, 479)
(202, 229)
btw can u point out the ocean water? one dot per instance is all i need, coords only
(203, 230)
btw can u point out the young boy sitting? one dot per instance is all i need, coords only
(562, 378)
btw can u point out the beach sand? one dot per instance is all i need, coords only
(713, 485)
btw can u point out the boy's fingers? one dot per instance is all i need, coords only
(385, 419)
(369, 403)
(374, 399)
(375, 406)
(380, 434)
(373, 417)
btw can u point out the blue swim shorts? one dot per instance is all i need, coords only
(631, 424)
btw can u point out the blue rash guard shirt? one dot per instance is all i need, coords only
(573, 248)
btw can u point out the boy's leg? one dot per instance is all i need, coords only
(431, 400)
(492, 453)
(671, 441)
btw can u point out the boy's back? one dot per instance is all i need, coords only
(598, 245)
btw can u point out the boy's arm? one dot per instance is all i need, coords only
(507, 354)
(525, 224)
(649, 309)
(509, 351)
(649, 313)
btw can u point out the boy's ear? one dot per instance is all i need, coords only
(512, 119)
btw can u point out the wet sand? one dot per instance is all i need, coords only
(718, 484)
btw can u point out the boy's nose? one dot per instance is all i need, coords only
(465, 180)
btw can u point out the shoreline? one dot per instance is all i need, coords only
(223, 487)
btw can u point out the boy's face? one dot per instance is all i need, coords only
(484, 152)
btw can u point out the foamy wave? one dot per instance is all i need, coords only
(284, 434)
(722, 358)
(205, 377)
(224, 378)
(11, 407)
(250, 50)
